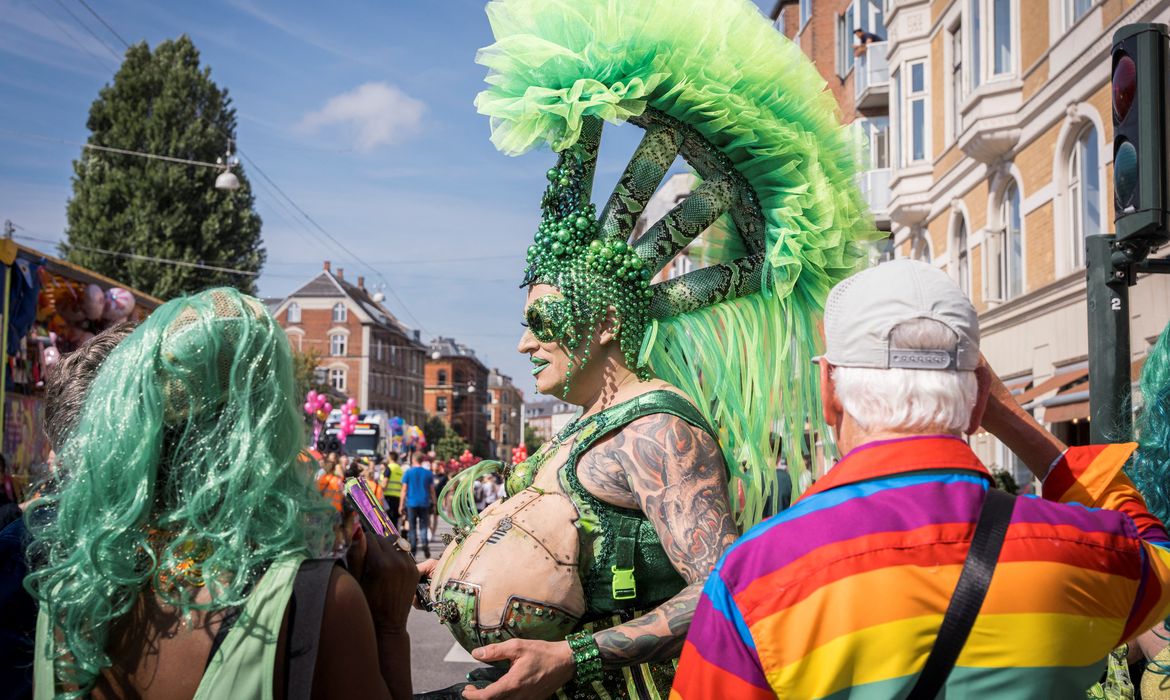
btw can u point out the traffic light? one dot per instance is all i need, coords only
(1141, 186)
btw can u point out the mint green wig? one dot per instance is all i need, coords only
(190, 429)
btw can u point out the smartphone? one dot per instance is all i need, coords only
(358, 491)
(371, 511)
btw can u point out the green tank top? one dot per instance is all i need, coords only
(244, 664)
(624, 567)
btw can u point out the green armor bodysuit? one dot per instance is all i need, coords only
(619, 562)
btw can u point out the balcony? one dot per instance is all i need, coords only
(871, 77)
(875, 189)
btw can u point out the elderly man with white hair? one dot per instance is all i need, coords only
(903, 573)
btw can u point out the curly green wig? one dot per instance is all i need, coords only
(1149, 466)
(188, 441)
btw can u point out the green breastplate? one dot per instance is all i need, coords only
(624, 567)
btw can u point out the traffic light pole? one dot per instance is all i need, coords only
(1113, 269)
(1109, 381)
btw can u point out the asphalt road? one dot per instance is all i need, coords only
(436, 661)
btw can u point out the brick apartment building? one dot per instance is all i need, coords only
(365, 352)
(548, 416)
(507, 407)
(999, 147)
(457, 391)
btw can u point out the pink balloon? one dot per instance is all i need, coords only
(309, 408)
(52, 356)
(311, 397)
(328, 407)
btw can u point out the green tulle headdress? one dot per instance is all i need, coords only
(712, 81)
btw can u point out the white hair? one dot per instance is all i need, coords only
(910, 400)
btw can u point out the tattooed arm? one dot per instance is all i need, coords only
(675, 474)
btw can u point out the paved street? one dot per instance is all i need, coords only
(436, 660)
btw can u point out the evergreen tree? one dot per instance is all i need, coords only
(434, 429)
(163, 103)
(450, 446)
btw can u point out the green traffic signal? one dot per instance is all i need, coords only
(1125, 176)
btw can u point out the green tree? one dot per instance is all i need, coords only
(450, 445)
(163, 103)
(434, 430)
(305, 373)
(532, 441)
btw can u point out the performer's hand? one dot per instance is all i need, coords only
(538, 669)
(387, 575)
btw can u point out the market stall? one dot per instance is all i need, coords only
(51, 306)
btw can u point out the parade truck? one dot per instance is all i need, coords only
(369, 438)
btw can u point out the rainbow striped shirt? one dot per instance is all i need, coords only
(842, 594)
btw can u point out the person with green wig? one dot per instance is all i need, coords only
(583, 581)
(1149, 468)
(183, 519)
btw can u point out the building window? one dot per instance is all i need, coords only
(920, 246)
(914, 110)
(294, 313)
(962, 255)
(320, 375)
(340, 313)
(958, 87)
(1007, 252)
(442, 376)
(896, 118)
(337, 379)
(805, 12)
(378, 349)
(1001, 37)
(1084, 192)
(337, 345)
(1075, 9)
(441, 404)
(975, 42)
(845, 26)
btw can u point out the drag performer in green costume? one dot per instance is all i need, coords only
(583, 582)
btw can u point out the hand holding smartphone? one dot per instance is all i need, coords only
(375, 519)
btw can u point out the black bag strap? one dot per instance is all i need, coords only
(305, 612)
(969, 593)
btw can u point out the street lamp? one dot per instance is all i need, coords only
(227, 180)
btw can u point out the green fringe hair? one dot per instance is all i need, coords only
(191, 427)
(720, 67)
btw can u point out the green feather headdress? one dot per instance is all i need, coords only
(713, 81)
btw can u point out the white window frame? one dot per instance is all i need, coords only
(338, 344)
(340, 312)
(1068, 11)
(846, 23)
(998, 259)
(962, 247)
(1077, 170)
(293, 313)
(979, 40)
(337, 377)
(907, 109)
(956, 55)
(806, 12)
(920, 248)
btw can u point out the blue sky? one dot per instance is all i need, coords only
(360, 111)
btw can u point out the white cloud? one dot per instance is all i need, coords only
(377, 114)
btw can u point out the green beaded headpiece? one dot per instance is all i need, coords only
(712, 81)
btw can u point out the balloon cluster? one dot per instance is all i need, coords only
(415, 439)
(349, 420)
(317, 405)
(467, 459)
(519, 454)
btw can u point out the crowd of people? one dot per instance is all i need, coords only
(187, 545)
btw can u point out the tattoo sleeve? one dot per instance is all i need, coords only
(678, 478)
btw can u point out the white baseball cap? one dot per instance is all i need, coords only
(864, 309)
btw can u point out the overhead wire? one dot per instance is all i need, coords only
(89, 31)
(104, 23)
(69, 35)
(341, 246)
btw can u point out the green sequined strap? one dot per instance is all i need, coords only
(648, 404)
